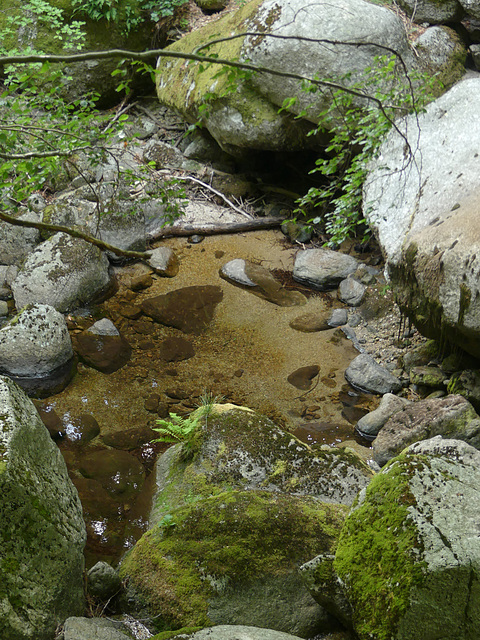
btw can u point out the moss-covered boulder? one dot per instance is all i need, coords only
(234, 447)
(245, 115)
(63, 29)
(42, 532)
(232, 558)
(409, 552)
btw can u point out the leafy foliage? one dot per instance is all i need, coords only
(132, 12)
(356, 130)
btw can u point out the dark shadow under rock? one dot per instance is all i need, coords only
(189, 309)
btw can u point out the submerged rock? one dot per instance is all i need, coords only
(302, 378)
(261, 282)
(409, 553)
(103, 347)
(190, 309)
(42, 532)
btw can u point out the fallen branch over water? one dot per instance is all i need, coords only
(215, 229)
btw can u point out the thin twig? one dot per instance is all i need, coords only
(218, 193)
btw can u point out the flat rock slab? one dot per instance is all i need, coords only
(311, 322)
(260, 282)
(302, 378)
(322, 268)
(237, 632)
(189, 309)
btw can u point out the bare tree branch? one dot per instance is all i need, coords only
(75, 233)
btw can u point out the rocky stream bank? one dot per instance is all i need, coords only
(329, 487)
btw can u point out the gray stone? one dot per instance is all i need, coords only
(63, 272)
(322, 268)
(366, 374)
(35, 342)
(351, 292)
(3, 309)
(475, 51)
(423, 571)
(471, 8)
(16, 243)
(371, 423)
(104, 327)
(431, 11)
(433, 253)
(351, 21)
(95, 628)
(103, 581)
(247, 455)
(338, 317)
(164, 261)
(451, 417)
(467, 384)
(237, 632)
(443, 53)
(235, 272)
(42, 532)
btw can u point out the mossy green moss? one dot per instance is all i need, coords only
(181, 85)
(230, 539)
(378, 556)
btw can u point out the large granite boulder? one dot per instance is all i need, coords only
(230, 503)
(240, 448)
(409, 553)
(247, 117)
(424, 213)
(230, 559)
(42, 532)
(63, 272)
(451, 417)
(36, 350)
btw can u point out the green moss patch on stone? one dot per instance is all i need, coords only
(233, 538)
(381, 534)
(181, 85)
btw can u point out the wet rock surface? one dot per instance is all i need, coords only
(102, 347)
(261, 282)
(190, 309)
